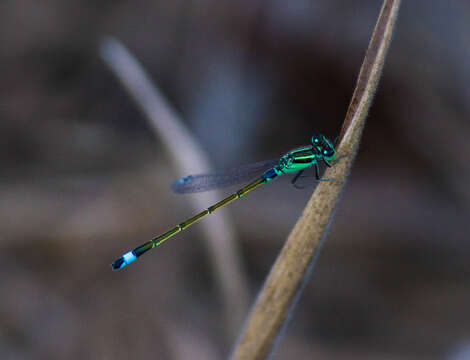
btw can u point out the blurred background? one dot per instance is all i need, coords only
(85, 178)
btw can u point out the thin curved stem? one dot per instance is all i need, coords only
(187, 157)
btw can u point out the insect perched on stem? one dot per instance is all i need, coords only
(295, 161)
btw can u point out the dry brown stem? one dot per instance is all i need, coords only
(290, 271)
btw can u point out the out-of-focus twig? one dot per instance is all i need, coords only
(290, 271)
(187, 157)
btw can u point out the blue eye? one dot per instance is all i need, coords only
(325, 152)
(316, 140)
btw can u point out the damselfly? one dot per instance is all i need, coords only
(295, 161)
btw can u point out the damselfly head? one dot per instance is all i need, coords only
(324, 147)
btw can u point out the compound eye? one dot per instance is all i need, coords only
(317, 139)
(328, 153)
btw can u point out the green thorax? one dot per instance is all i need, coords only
(296, 160)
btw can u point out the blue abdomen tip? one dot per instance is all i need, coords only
(124, 260)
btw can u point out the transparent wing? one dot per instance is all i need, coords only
(221, 178)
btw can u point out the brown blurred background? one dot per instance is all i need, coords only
(84, 178)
